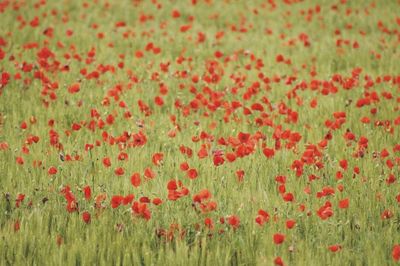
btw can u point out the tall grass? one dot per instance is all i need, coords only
(49, 235)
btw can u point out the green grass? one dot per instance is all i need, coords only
(49, 235)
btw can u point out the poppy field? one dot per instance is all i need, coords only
(200, 132)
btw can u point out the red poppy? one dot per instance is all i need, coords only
(278, 261)
(343, 164)
(116, 201)
(119, 171)
(218, 160)
(141, 210)
(17, 226)
(243, 137)
(144, 200)
(122, 156)
(135, 179)
(240, 175)
(176, 13)
(344, 203)
(278, 238)
(396, 252)
(192, 173)
(262, 217)
(149, 173)
(4, 146)
(19, 200)
(325, 211)
(386, 214)
(157, 201)
(106, 162)
(86, 217)
(74, 88)
(157, 158)
(184, 166)
(24, 125)
(391, 179)
(234, 221)
(128, 199)
(335, 248)
(290, 224)
(19, 160)
(87, 192)
(52, 170)
(288, 197)
(269, 153)
(209, 223)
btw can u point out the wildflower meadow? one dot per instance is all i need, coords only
(199, 132)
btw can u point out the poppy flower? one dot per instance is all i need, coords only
(278, 238)
(149, 173)
(344, 203)
(87, 192)
(122, 156)
(218, 160)
(396, 252)
(119, 171)
(240, 175)
(24, 125)
(19, 160)
(269, 153)
(335, 248)
(17, 226)
(4, 146)
(234, 221)
(184, 166)
(172, 185)
(192, 173)
(278, 261)
(52, 170)
(290, 224)
(141, 210)
(19, 200)
(74, 88)
(288, 197)
(144, 200)
(391, 179)
(262, 217)
(157, 201)
(106, 162)
(135, 180)
(128, 199)
(325, 211)
(386, 214)
(86, 217)
(157, 158)
(230, 156)
(343, 164)
(175, 13)
(243, 137)
(209, 223)
(116, 201)
(202, 195)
